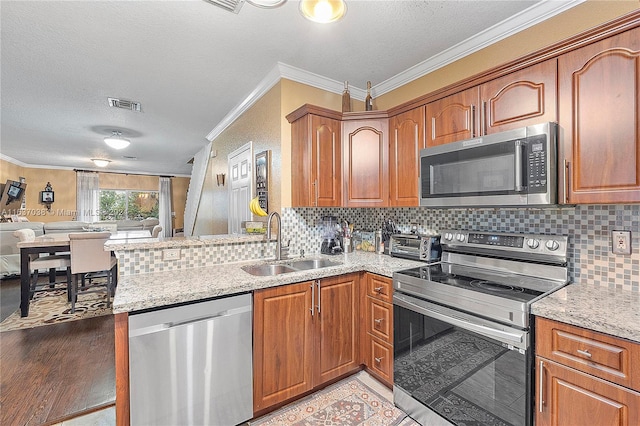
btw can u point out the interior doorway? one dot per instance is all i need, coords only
(240, 186)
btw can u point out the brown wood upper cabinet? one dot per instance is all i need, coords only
(599, 107)
(366, 159)
(305, 334)
(316, 166)
(518, 99)
(406, 139)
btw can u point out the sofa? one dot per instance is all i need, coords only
(10, 254)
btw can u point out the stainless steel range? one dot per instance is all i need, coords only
(462, 328)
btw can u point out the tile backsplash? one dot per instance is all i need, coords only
(588, 227)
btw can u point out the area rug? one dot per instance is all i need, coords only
(51, 307)
(346, 403)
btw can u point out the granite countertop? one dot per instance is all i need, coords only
(177, 242)
(154, 290)
(611, 311)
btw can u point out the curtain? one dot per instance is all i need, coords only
(87, 196)
(164, 207)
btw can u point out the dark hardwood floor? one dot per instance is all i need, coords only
(56, 372)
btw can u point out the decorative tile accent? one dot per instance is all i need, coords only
(147, 260)
(588, 227)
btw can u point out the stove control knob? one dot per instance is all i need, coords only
(460, 237)
(532, 243)
(552, 245)
(448, 236)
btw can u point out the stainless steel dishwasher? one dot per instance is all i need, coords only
(192, 364)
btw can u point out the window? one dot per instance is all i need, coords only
(127, 204)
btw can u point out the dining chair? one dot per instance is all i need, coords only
(155, 232)
(88, 256)
(37, 263)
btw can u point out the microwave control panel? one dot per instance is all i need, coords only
(537, 163)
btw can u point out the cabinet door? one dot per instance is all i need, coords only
(519, 99)
(599, 100)
(282, 343)
(570, 397)
(453, 118)
(366, 163)
(326, 162)
(316, 162)
(406, 140)
(337, 327)
(302, 192)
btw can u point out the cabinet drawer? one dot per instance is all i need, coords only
(380, 287)
(380, 319)
(380, 360)
(595, 353)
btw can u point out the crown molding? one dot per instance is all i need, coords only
(49, 167)
(535, 14)
(31, 166)
(527, 18)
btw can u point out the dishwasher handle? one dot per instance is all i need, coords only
(173, 324)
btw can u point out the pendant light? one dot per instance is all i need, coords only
(323, 11)
(116, 141)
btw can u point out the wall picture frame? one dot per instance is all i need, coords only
(46, 197)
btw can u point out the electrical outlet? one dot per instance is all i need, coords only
(621, 242)
(171, 254)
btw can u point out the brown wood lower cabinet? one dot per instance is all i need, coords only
(570, 397)
(584, 377)
(305, 334)
(377, 335)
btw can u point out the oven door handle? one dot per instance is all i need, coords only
(460, 322)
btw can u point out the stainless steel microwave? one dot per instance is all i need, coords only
(513, 168)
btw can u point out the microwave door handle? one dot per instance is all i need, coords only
(518, 165)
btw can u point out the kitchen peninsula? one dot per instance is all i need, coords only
(201, 269)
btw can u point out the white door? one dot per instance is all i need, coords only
(240, 186)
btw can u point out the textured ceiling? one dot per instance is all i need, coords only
(190, 64)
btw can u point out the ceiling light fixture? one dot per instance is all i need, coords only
(116, 140)
(266, 4)
(100, 162)
(323, 11)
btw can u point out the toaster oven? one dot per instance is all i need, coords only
(425, 248)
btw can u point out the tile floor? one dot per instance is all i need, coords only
(107, 417)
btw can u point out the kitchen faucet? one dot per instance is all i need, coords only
(279, 248)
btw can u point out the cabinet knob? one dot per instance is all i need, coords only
(378, 289)
(378, 360)
(378, 321)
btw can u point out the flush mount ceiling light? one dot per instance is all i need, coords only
(323, 11)
(116, 140)
(100, 162)
(266, 4)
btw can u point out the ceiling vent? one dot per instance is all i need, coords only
(229, 5)
(124, 104)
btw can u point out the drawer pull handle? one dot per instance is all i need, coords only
(378, 360)
(378, 289)
(584, 353)
(378, 321)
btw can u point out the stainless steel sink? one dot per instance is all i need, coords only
(312, 264)
(269, 269)
(265, 270)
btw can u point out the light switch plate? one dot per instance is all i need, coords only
(621, 242)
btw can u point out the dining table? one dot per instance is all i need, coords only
(52, 244)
